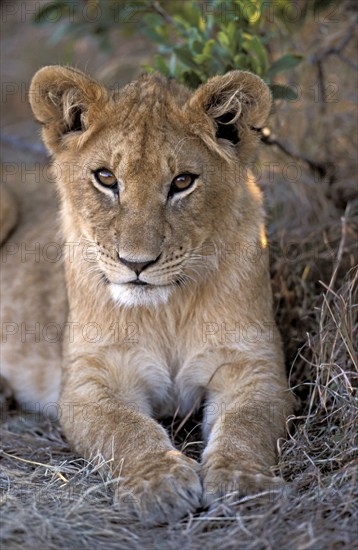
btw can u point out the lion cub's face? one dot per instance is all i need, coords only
(144, 196)
(149, 176)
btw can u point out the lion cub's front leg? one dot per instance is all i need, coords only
(155, 482)
(244, 417)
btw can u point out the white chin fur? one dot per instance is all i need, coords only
(132, 296)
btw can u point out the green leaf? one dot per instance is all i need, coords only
(223, 39)
(261, 53)
(161, 65)
(285, 62)
(191, 79)
(154, 29)
(188, 10)
(148, 68)
(182, 23)
(252, 12)
(173, 65)
(280, 91)
(241, 61)
(255, 66)
(206, 53)
(231, 31)
(201, 25)
(186, 57)
(196, 46)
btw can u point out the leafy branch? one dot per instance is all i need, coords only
(193, 42)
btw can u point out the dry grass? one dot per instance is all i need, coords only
(53, 499)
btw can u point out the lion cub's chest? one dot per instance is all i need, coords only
(174, 356)
(172, 367)
(181, 392)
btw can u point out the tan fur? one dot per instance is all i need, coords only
(203, 327)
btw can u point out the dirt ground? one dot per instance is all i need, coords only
(51, 498)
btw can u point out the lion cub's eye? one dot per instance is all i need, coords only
(106, 178)
(182, 183)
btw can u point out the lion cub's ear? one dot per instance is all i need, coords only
(64, 100)
(235, 104)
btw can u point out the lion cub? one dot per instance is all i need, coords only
(168, 293)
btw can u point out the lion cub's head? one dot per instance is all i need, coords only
(150, 174)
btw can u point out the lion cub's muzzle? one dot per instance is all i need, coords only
(137, 266)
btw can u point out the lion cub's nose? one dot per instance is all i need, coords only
(137, 267)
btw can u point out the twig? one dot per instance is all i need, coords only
(347, 61)
(340, 248)
(320, 168)
(321, 86)
(337, 50)
(48, 466)
(161, 11)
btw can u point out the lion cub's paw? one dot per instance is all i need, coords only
(162, 489)
(228, 484)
